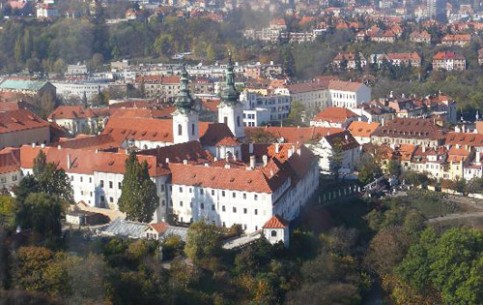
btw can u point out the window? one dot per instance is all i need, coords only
(201, 191)
(274, 233)
(212, 192)
(71, 178)
(255, 197)
(212, 207)
(180, 130)
(244, 195)
(119, 185)
(223, 193)
(234, 195)
(111, 199)
(163, 203)
(90, 179)
(238, 121)
(181, 203)
(202, 206)
(102, 183)
(110, 184)
(180, 189)
(223, 208)
(103, 199)
(256, 211)
(245, 211)
(81, 179)
(191, 190)
(192, 129)
(234, 209)
(225, 120)
(162, 187)
(4, 180)
(191, 204)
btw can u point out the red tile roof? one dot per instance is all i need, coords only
(296, 134)
(448, 55)
(335, 115)
(410, 128)
(467, 139)
(160, 227)
(344, 86)
(19, 120)
(71, 112)
(276, 222)
(344, 139)
(9, 160)
(362, 129)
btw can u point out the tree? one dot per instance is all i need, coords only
(41, 212)
(297, 110)
(139, 199)
(259, 135)
(8, 209)
(37, 269)
(203, 240)
(336, 158)
(394, 168)
(288, 64)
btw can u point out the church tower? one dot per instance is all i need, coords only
(230, 110)
(185, 118)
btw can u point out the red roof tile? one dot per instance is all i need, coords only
(276, 222)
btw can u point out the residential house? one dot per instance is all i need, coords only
(362, 131)
(10, 174)
(461, 40)
(348, 94)
(349, 61)
(408, 131)
(335, 117)
(449, 61)
(420, 37)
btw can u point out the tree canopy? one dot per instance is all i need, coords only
(139, 199)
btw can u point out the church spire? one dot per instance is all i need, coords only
(230, 95)
(184, 102)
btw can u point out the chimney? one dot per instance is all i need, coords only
(215, 159)
(59, 147)
(42, 145)
(250, 148)
(227, 165)
(265, 160)
(382, 122)
(68, 161)
(271, 173)
(207, 165)
(277, 148)
(167, 160)
(185, 162)
(33, 145)
(252, 162)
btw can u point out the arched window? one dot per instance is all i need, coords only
(274, 233)
(180, 130)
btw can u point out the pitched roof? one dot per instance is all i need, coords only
(410, 128)
(9, 160)
(276, 222)
(467, 139)
(19, 120)
(20, 84)
(445, 55)
(344, 86)
(344, 139)
(84, 161)
(362, 129)
(307, 87)
(160, 227)
(296, 134)
(71, 112)
(335, 114)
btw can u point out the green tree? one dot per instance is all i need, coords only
(138, 194)
(203, 240)
(259, 135)
(42, 213)
(8, 209)
(394, 168)
(288, 64)
(297, 110)
(336, 159)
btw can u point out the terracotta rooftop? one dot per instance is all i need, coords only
(362, 129)
(335, 115)
(410, 128)
(296, 134)
(344, 86)
(466, 139)
(276, 222)
(344, 139)
(19, 120)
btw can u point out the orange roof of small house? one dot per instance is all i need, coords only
(362, 129)
(335, 114)
(276, 222)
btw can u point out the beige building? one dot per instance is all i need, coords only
(408, 131)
